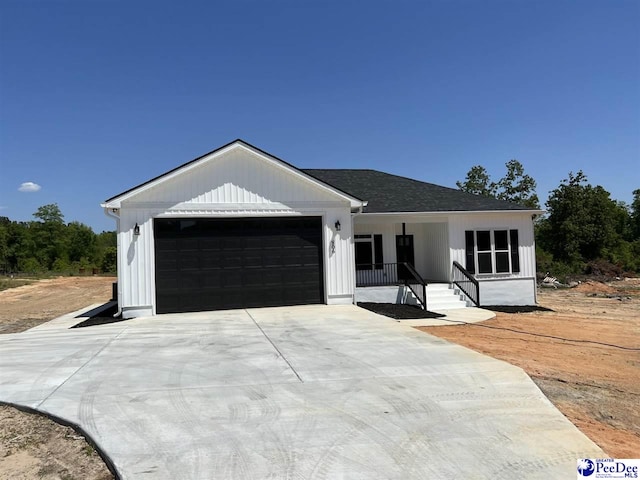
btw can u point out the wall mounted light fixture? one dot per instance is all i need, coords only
(136, 229)
(337, 225)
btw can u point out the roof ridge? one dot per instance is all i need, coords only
(389, 192)
(384, 173)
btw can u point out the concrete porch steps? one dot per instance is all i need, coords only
(440, 296)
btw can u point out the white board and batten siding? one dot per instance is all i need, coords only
(499, 289)
(430, 236)
(237, 183)
(435, 251)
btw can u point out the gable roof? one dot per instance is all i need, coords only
(387, 193)
(116, 199)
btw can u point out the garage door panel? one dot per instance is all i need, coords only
(212, 279)
(167, 283)
(187, 244)
(254, 243)
(190, 280)
(210, 260)
(189, 260)
(167, 264)
(232, 278)
(252, 259)
(208, 264)
(274, 277)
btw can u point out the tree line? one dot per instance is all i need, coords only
(583, 231)
(48, 244)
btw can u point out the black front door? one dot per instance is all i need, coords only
(404, 254)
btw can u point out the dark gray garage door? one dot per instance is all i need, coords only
(214, 264)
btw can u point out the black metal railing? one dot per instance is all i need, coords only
(416, 284)
(388, 274)
(466, 283)
(377, 275)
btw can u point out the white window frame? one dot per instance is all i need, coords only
(369, 238)
(493, 251)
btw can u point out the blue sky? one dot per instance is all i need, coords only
(97, 96)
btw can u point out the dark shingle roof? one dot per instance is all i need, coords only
(392, 193)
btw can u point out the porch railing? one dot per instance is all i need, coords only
(416, 284)
(386, 274)
(466, 283)
(377, 275)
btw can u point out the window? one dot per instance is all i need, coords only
(368, 252)
(492, 251)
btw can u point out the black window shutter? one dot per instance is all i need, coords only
(515, 256)
(377, 251)
(469, 251)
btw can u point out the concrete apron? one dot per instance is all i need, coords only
(300, 392)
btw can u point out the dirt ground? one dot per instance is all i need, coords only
(32, 446)
(591, 371)
(29, 305)
(584, 355)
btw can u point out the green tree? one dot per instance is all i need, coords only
(478, 182)
(635, 215)
(515, 186)
(109, 260)
(21, 245)
(49, 235)
(582, 221)
(4, 244)
(49, 244)
(50, 214)
(518, 187)
(81, 241)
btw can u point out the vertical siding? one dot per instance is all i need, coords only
(431, 245)
(236, 183)
(237, 177)
(136, 256)
(136, 260)
(340, 265)
(436, 250)
(504, 221)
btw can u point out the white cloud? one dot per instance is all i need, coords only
(29, 187)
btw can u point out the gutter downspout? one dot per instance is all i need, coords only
(111, 212)
(358, 211)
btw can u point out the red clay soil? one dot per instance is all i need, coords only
(24, 307)
(585, 356)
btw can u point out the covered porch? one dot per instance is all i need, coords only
(384, 246)
(407, 259)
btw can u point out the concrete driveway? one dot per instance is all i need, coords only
(305, 392)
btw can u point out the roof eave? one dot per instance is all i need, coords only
(116, 201)
(457, 212)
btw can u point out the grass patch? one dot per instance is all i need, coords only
(7, 283)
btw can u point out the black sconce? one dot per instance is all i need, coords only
(337, 225)
(136, 230)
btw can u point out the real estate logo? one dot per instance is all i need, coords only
(585, 467)
(608, 468)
